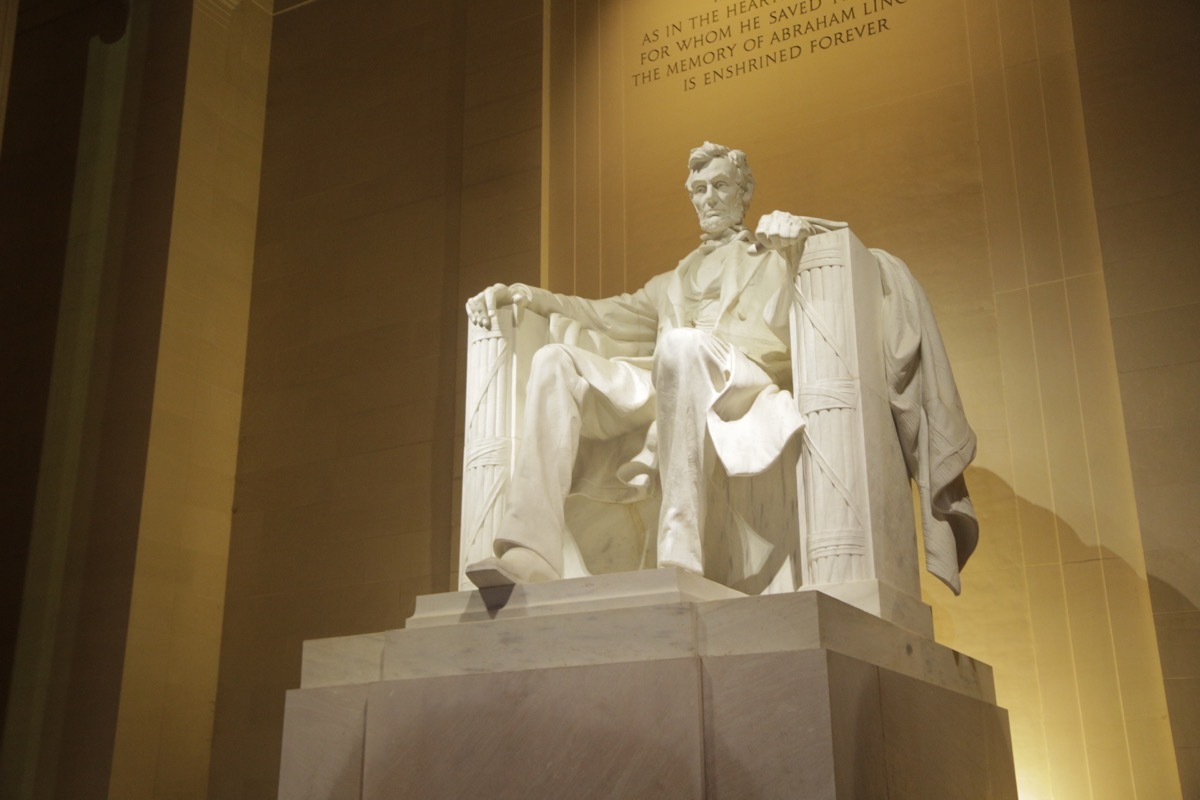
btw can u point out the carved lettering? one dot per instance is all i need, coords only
(739, 37)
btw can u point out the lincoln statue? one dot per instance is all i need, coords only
(717, 386)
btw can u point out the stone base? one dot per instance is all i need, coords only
(881, 600)
(652, 684)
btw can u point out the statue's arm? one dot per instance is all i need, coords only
(626, 317)
(786, 233)
(482, 307)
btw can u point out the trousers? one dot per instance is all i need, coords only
(573, 393)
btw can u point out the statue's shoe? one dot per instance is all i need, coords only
(517, 565)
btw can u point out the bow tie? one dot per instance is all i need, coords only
(726, 236)
(708, 242)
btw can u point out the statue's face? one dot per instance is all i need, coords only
(717, 196)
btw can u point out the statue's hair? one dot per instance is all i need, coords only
(702, 155)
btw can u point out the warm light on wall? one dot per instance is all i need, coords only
(949, 133)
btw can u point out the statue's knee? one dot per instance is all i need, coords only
(680, 348)
(550, 363)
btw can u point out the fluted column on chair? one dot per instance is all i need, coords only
(497, 368)
(858, 540)
(836, 546)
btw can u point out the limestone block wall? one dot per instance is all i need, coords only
(401, 172)
(1138, 68)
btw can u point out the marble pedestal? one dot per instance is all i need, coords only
(654, 684)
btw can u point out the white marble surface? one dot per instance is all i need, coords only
(819, 724)
(793, 725)
(786, 695)
(624, 634)
(628, 730)
(653, 614)
(809, 723)
(342, 660)
(884, 601)
(811, 620)
(975, 760)
(323, 743)
(570, 596)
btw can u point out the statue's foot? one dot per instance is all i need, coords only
(517, 565)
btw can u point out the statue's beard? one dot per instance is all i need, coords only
(717, 223)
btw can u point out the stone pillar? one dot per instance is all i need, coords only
(858, 537)
(498, 360)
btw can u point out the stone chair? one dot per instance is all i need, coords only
(834, 514)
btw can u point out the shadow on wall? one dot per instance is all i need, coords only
(988, 490)
(1168, 598)
(1038, 597)
(1175, 622)
(1171, 598)
(1016, 533)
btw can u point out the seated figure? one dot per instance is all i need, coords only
(716, 388)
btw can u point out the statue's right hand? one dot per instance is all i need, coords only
(481, 308)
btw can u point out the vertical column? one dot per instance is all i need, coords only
(498, 361)
(8, 32)
(487, 439)
(164, 724)
(835, 544)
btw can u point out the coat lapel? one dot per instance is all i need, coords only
(741, 263)
(740, 267)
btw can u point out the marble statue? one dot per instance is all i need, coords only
(787, 348)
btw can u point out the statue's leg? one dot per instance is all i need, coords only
(696, 373)
(690, 371)
(571, 392)
(545, 458)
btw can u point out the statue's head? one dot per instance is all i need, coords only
(720, 184)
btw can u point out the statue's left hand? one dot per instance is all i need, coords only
(786, 232)
(481, 308)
